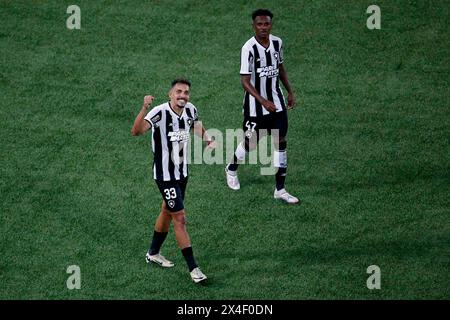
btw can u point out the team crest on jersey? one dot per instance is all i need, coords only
(171, 203)
(276, 55)
(189, 121)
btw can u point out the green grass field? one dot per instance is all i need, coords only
(368, 151)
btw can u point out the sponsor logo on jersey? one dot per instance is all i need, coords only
(269, 72)
(179, 136)
(155, 119)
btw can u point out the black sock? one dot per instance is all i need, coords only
(234, 164)
(157, 241)
(189, 256)
(280, 177)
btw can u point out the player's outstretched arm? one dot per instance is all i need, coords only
(141, 126)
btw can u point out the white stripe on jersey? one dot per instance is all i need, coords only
(165, 149)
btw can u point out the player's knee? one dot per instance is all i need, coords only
(166, 214)
(250, 144)
(179, 219)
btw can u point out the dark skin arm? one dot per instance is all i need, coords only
(284, 79)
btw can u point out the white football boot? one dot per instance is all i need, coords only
(197, 275)
(232, 179)
(159, 259)
(285, 196)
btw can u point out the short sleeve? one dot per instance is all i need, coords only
(281, 57)
(195, 114)
(153, 117)
(246, 60)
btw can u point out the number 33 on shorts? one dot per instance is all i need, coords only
(170, 193)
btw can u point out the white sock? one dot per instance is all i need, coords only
(280, 159)
(240, 152)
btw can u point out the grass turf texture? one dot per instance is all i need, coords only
(368, 151)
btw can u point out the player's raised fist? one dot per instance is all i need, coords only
(147, 101)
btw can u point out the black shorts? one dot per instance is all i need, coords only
(264, 124)
(173, 193)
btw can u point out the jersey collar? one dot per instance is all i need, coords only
(270, 43)
(173, 111)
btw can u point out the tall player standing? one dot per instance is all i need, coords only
(264, 104)
(171, 123)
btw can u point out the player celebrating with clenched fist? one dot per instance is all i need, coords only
(171, 123)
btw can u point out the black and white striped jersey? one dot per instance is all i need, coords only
(262, 64)
(170, 140)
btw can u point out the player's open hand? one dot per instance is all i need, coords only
(147, 101)
(211, 144)
(269, 105)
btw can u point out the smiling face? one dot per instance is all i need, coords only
(262, 25)
(179, 95)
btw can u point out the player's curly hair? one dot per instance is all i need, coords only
(262, 12)
(180, 80)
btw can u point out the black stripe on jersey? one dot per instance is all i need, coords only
(269, 81)
(247, 104)
(189, 114)
(276, 46)
(182, 125)
(169, 128)
(258, 106)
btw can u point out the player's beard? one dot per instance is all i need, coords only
(181, 103)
